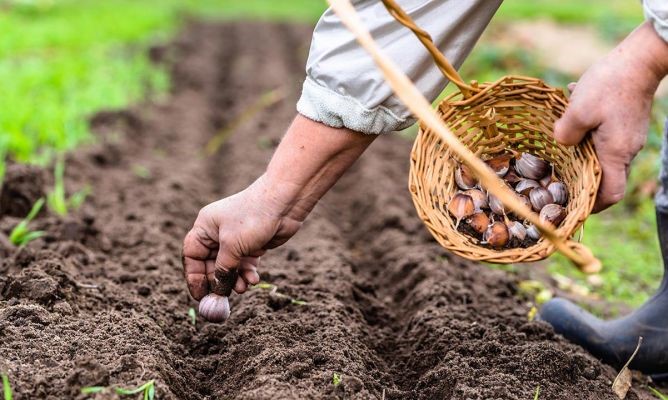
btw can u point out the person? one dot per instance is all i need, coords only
(345, 105)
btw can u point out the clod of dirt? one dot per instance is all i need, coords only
(22, 187)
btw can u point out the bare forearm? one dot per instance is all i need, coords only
(309, 160)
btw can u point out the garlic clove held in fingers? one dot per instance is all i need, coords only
(531, 167)
(214, 307)
(464, 177)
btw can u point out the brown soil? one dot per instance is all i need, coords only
(100, 300)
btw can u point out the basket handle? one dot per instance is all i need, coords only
(439, 58)
(420, 107)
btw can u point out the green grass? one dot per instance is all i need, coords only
(62, 60)
(597, 12)
(57, 200)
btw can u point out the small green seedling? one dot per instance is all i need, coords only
(336, 379)
(264, 285)
(92, 389)
(537, 393)
(148, 390)
(56, 199)
(658, 394)
(21, 235)
(141, 171)
(274, 291)
(6, 388)
(193, 316)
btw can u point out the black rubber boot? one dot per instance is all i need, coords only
(614, 341)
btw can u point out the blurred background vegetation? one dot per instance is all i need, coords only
(62, 60)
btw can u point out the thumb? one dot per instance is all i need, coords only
(224, 278)
(572, 127)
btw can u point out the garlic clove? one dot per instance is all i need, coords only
(479, 222)
(479, 198)
(511, 177)
(525, 200)
(500, 164)
(540, 197)
(461, 206)
(524, 186)
(546, 180)
(516, 230)
(496, 235)
(464, 177)
(531, 167)
(214, 308)
(495, 205)
(533, 232)
(559, 192)
(553, 213)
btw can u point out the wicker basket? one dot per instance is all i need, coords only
(515, 113)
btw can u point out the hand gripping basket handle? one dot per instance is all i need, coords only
(421, 108)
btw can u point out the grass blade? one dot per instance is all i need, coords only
(21, 235)
(6, 388)
(92, 389)
(658, 394)
(193, 316)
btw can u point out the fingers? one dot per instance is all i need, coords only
(196, 278)
(196, 249)
(572, 127)
(247, 274)
(613, 184)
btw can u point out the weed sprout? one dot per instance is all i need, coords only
(21, 235)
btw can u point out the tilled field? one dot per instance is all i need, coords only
(100, 300)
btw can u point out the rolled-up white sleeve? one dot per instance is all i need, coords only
(656, 11)
(343, 87)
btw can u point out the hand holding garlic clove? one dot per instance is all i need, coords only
(215, 306)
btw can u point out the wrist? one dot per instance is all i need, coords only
(649, 52)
